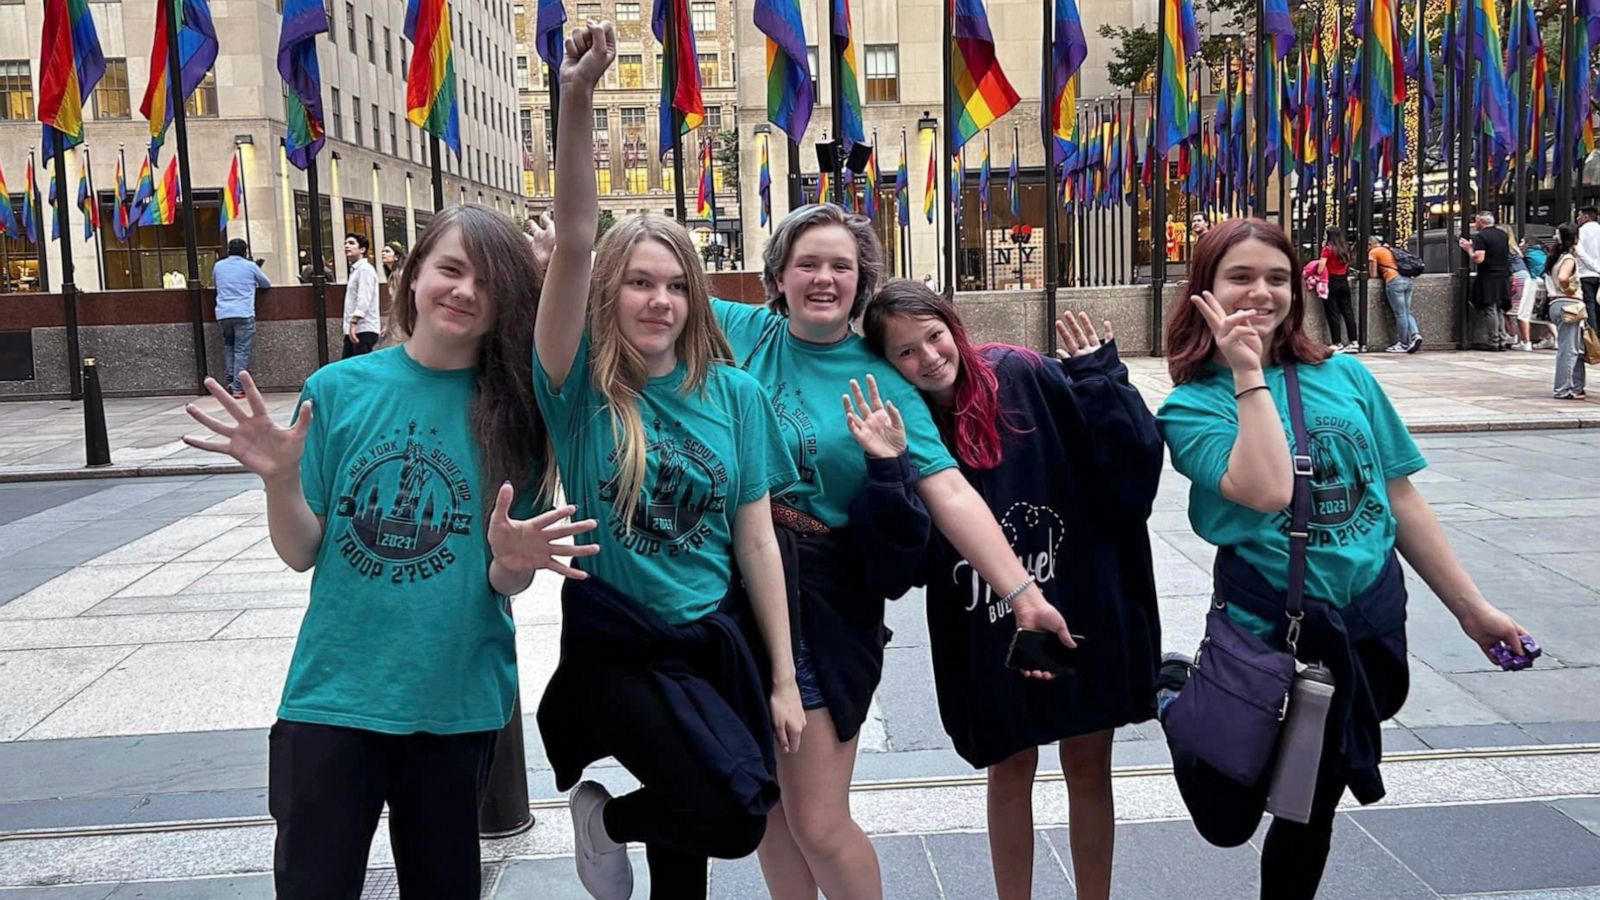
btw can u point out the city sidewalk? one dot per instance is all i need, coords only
(1434, 392)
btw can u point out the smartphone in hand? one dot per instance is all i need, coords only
(1042, 651)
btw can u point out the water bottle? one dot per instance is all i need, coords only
(1294, 773)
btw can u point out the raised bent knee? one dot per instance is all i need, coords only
(737, 835)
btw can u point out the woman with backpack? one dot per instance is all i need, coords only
(1397, 287)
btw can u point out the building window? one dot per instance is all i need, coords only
(587, 11)
(403, 67)
(811, 61)
(630, 70)
(394, 224)
(703, 15)
(394, 137)
(602, 150)
(883, 73)
(350, 25)
(549, 129)
(111, 94)
(150, 251)
(388, 51)
(411, 149)
(523, 81)
(377, 133)
(358, 220)
(525, 126)
(355, 116)
(708, 69)
(16, 90)
(372, 45)
(338, 117)
(627, 12)
(203, 102)
(714, 122)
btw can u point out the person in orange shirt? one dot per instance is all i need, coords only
(1397, 288)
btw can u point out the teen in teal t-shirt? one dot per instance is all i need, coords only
(403, 632)
(709, 453)
(804, 382)
(1358, 443)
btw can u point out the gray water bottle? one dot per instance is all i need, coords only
(1294, 773)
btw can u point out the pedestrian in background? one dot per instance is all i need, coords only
(1397, 290)
(1587, 253)
(362, 324)
(393, 257)
(1489, 249)
(1537, 257)
(1334, 265)
(1510, 335)
(1569, 314)
(237, 279)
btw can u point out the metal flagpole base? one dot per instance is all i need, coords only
(505, 811)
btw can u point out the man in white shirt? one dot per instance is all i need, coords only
(361, 322)
(1588, 251)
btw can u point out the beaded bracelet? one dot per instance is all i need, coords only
(1017, 591)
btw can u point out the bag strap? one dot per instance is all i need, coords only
(1300, 507)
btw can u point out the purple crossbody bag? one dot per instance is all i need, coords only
(1231, 710)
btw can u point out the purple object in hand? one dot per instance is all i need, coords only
(1512, 662)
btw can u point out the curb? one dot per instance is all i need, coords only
(156, 470)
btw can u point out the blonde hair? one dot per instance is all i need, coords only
(617, 368)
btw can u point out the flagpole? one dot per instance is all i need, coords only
(1258, 127)
(244, 199)
(1081, 274)
(836, 101)
(1564, 150)
(905, 230)
(1465, 124)
(1052, 224)
(94, 198)
(1419, 225)
(947, 158)
(1366, 167)
(671, 59)
(69, 291)
(191, 241)
(711, 197)
(1116, 200)
(1158, 198)
(38, 228)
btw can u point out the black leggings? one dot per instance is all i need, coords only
(683, 813)
(1293, 855)
(1338, 307)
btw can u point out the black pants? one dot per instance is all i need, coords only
(1591, 288)
(1338, 307)
(326, 787)
(1293, 855)
(364, 342)
(683, 813)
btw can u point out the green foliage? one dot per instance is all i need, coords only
(607, 219)
(727, 156)
(1134, 58)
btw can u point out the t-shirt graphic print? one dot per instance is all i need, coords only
(407, 498)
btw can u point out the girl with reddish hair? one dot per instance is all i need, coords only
(1067, 457)
(1225, 425)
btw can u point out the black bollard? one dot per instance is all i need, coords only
(505, 809)
(96, 446)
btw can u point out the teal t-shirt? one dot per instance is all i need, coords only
(1358, 443)
(403, 632)
(804, 383)
(709, 452)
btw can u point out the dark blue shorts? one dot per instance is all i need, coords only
(805, 676)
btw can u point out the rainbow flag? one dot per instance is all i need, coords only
(958, 181)
(1538, 91)
(765, 186)
(707, 195)
(30, 203)
(1494, 98)
(549, 23)
(851, 129)
(1068, 51)
(1419, 65)
(119, 219)
(824, 186)
(870, 193)
(1180, 41)
(1279, 27)
(930, 190)
(431, 83)
(86, 199)
(847, 187)
(983, 179)
(70, 65)
(682, 108)
(979, 91)
(144, 189)
(303, 20)
(790, 96)
(902, 189)
(197, 52)
(1386, 80)
(163, 208)
(8, 217)
(232, 195)
(54, 194)
(1014, 184)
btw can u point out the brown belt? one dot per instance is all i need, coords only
(797, 521)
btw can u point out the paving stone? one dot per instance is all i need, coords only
(74, 591)
(59, 892)
(1569, 634)
(1454, 737)
(1436, 701)
(232, 887)
(91, 631)
(556, 879)
(163, 688)
(33, 815)
(907, 700)
(907, 874)
(19, 580)
(731, 879)
(120, 767)
(1500, 847)
(23, 504)
(1565, 732)
(263, 623)
(1583, 810)
(1359, 869)
(1400, 739)
(1530, 534)
(239, 600)
(1208, 872)
(1553, 775)
(1549, 695)
(167, 579)
(34, 683)
(966, 871)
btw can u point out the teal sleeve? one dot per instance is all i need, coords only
(764, 463)
(1397, 452)
(743, 323)
(313, 480)
(559, 406)
(923, 443)
(1199, 436)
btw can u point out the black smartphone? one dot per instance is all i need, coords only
(1042, 651)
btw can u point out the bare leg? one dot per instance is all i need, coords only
(1091, 814)
(1011, 824)
(816, 807)
(782, 864)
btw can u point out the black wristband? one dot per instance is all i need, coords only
(1250, 390)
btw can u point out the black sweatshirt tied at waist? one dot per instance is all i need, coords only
(704, 672)
(1361, 644)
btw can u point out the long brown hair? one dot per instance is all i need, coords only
(510, 435)
(618, 370)
(1190, 343)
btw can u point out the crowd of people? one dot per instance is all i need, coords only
(757, 481)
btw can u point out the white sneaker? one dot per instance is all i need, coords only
(606, 872)
(1400, 347)
(1545, 344)
(1522, 345)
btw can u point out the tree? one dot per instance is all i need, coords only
(607, 219)
(1135, 55)
(727, 156)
